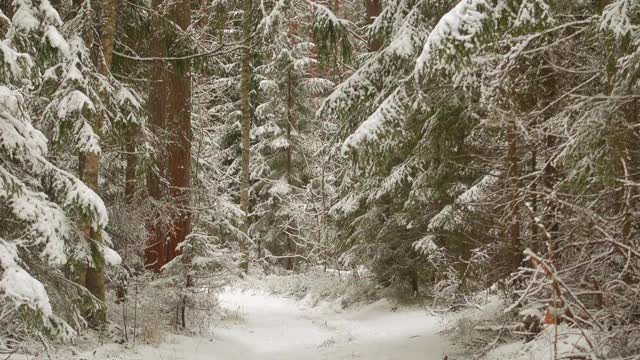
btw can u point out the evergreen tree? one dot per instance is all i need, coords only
(42, 202)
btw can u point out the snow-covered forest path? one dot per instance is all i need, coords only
(278, 328)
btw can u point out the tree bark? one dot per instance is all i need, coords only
(373, 10)
(93, 275)
(156, 102)
(107, 34)
(179, 142)
(245, 104)
(291, 126)
(131, 157)
(95, 279)
(513, 161)
(130, 170)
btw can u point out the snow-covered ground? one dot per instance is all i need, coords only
(271, 327)
(262, 325)
(281, 328)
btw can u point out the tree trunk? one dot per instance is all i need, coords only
(373, 9)
(602, 4)
(291, 125)
(130, 170)
(179, 142)
(107, 34)
(549, 172)
(245, 104)
(169, 108)
(156, 102)
(550, 221)
(95, 280)
(92, 276)
(533, 199)
(513, 160)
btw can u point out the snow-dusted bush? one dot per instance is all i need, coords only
(338, 288)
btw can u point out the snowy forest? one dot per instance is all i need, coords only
(320, 179)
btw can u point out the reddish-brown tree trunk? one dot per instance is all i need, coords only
(179, 140)
(179, 158)
(154, 252)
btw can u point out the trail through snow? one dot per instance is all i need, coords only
(278, 328)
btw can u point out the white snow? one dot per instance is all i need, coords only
(17, 285)
(281, 328)
(391, 108)
(111, 257)
(57, 41)
(18, 65)
(279, 188)
(451, 216)
(87, 141)
(128, 96)
(270, 327)
(24, 19)
(74, 102)
(280, 142)
(615, 18)
(461, 24)
(553, 342)
(50, 14)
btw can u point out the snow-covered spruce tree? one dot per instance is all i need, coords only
(591, 172)
(84, 107)
(126, 155)
(270, 66)
(215, 185)
(41, 202)
(217, 134)
(466, 42)
(554, 128)
(426, 104)
(441, 91)
(382, 211)
(284, 134)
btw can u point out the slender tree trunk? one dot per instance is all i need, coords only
(107, 34)
(602, 4)
(549, 172)
(513, 160)
(534, 200)
(291, 126)
(130, 170)
(93, 275)
(551, 223)
(291, 245)
(95, 279)
(373, 10)
(245, 104)
(131, 156)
